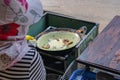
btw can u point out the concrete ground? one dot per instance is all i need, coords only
(100, 11)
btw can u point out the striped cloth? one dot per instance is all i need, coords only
(31, 67)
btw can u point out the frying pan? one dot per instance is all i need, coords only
(72, 35)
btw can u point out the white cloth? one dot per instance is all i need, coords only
(15, 18)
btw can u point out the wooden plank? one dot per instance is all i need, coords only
(101, 53)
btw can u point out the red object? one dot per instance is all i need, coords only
(24, 3)
(8, 30)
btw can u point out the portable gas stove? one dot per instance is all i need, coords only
(57, 64)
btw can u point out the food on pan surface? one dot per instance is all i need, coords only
(57, 43)
(58, 40)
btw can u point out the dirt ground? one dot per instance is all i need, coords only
(100, 11)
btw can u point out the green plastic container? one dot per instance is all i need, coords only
(65, 21)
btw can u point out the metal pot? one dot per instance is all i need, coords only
(59, 41)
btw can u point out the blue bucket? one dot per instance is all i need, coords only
(81, 74)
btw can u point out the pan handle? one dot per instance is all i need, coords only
(82, 31)
(46, 30)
